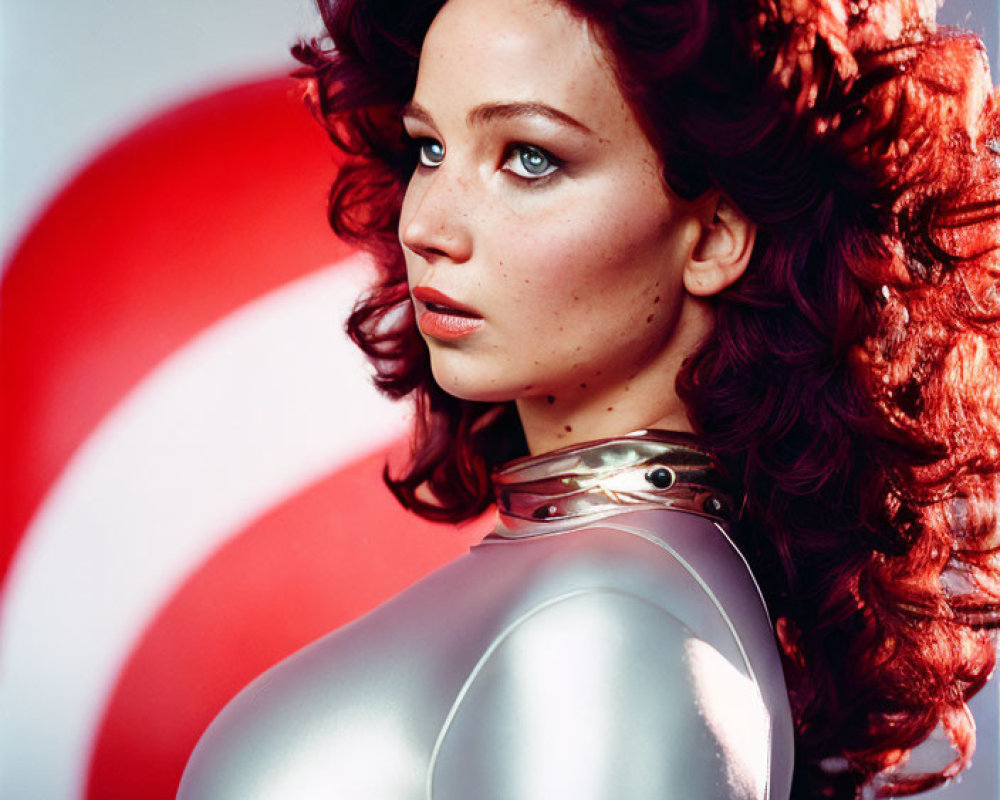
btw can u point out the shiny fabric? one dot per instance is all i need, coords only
(615, 650)
(586, 482)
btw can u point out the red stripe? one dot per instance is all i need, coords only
(321, 559)
(194, 214)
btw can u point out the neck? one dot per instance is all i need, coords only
(593, 410)
(564, 421)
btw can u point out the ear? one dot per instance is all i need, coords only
(723, 249)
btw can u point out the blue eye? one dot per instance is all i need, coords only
(530, 162)
(430, 152)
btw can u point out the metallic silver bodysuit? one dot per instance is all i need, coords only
(607, 642)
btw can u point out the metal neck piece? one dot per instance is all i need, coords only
(646, 469)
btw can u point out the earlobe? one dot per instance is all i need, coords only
(723, 249)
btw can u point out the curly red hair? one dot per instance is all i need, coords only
(852, 380)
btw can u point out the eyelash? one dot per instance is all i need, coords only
(419, 142)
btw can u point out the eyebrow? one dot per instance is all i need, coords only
(487, 112)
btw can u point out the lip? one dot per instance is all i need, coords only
(444, 318)
(429, 296)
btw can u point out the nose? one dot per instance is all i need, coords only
(434, 218)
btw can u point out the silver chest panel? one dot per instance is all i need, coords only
(630, 658)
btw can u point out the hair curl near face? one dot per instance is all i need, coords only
(852, 381)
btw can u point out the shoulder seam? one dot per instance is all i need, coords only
(718, 606)
(499, 640)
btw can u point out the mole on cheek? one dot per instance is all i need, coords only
(649, 319)
(569, 429)
(656, 300)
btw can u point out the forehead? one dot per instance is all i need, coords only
(516, 50)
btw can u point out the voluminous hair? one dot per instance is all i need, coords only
(852, 379)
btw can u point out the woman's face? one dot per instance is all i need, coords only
(537, 212)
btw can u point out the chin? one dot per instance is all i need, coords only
(474, 392)
(480, 386)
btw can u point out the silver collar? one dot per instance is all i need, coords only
(646, 469)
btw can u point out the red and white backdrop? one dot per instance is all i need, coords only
(191, 449)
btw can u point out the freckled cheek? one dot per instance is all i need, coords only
(560, 258)
(576, 264)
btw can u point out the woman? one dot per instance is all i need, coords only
(769, 229)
